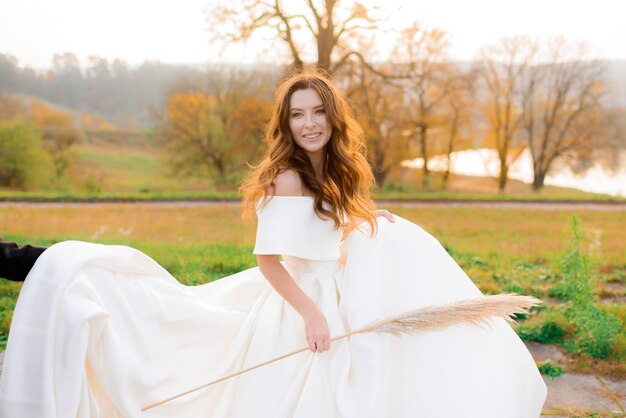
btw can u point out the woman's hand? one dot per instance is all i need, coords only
(317, 332)
(386, 214)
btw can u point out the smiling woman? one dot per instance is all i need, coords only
(308, 123)
(103, 330)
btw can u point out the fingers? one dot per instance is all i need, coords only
(386, 214)
(317, 333)
(320, 345)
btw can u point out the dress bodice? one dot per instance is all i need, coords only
(289, 226)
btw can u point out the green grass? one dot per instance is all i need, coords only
(157, 191)
(134, 171)
(62, 196)
(502, 250)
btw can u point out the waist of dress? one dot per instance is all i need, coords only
(304, 270)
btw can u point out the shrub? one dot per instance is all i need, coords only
(596, 330)
(550, 369)
(548, 331)
(24, 163)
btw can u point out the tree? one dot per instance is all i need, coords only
(458, 102)
(59, 135)
(10, 108)
(9, 73)
(66, 79)
(378, 110)
(214, 124)
(424, 72)
(24, 164)
(561, 107)
(326, 24)
(503, 64)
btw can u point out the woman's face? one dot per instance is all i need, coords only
(308, 122)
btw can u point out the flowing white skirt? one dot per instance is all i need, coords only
(102, 331)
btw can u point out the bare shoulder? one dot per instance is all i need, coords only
(287, 183)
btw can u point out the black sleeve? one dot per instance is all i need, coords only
(16, 262)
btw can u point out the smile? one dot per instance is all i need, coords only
(312, 137)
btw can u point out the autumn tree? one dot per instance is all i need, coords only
(562, 110)
(423, 70)
(503, 65)
(213, 124)
(326, 25)
(56, 129)
(10, 108)
(59, 134)
(458, 107)
(378, 109)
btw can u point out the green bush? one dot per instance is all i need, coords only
(24, 162)
(596, 331)
(550, 369)
(545, 332)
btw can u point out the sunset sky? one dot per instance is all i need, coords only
(175, 31)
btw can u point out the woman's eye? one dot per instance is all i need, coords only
(321, 111)
(295, 115)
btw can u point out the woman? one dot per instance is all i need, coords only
(104, 330)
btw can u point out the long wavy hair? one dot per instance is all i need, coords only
(347, 177)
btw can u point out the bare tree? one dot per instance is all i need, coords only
(561, 107)
(323, 22)
(502, 67)
(423, 70)
(378, 107)
(459, 98)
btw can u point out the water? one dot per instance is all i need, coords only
(484, 163)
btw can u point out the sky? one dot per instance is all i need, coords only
(175, 31)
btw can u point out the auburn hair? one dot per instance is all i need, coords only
(346, 173)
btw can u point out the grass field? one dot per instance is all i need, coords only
(502, 250)
(106, 168)
(133, 167)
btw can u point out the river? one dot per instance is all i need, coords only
(484, 163)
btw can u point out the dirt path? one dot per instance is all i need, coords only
(575, 394)
(490, 204)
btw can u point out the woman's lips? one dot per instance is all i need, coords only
(312, 139)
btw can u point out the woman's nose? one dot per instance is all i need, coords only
(309, 120)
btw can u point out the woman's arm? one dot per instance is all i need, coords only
(287, 183)
(283, 283)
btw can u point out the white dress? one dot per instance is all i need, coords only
(103, 330)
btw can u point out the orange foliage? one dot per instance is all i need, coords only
(10, 109)
(45, 117)
(215, 134)
(91, 123)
